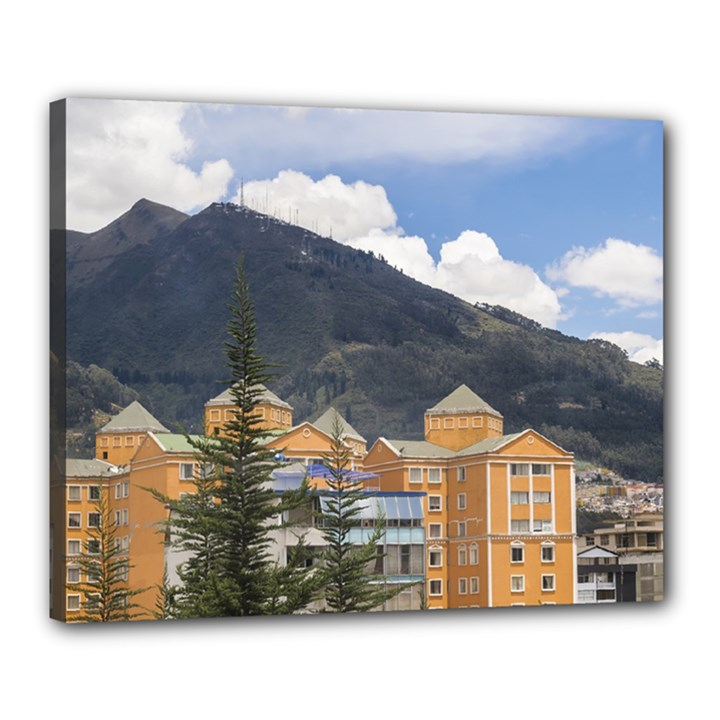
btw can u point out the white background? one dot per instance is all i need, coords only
(641, 59)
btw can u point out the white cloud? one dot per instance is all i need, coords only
(325, 206)
(120, 151)
(640, 348)
(360, 215)
(630, 274)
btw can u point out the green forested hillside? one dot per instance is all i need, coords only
(343, 327)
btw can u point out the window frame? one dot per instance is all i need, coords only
(461, 474)
(516, 497)
(91, 491)
(462, 558)
(547, 546)
(438, 582)
(93, 513)
(72, 596)
(462, 586)
(520, 581)
(437, 498)
(517, 546)
(547, 576)
(474, 552)
(462, 501)
(437, 551)
(431, 471)
(70, 552)
(474, 585)
(79, 520)
(182, 470)
(415, 471)
(432, 536)
(74, 487)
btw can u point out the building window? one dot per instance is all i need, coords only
(93, 519)
(462, 554)
(462, 529)
(435, 530)
(435, 587)
(541, 498)
(519, 469)
(462, 422)
(519, 526)
(104, 442)
(126, 488)
(93, 547)
(118, 491)
(604, 539)
(462, 586)
(117, 441)
(462, 501)
(548, 583)
(73, 603)
(547, 553)
(125, 516)
(518, 498)
(415, 474)
(434, 503)
(105, 457)
(229, 414)
(477, 421)
(517, 583)
(435, 558)
(118, 517)
(74, 520)
(74, 547)
(434, 475)
(542, 526)
(540, 469)
(474, 585)
(129, 440)
(73, 574)
(474, 554)
(93, 492)
(74, 492)
(434, 423)
(517, 553)
(461, 474)
(187, 471)
(449, 423)
(214, 416)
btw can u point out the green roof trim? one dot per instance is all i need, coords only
(326, 422)
(461, 400)
(134, 418)
(488, 445)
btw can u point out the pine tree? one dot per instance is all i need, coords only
(349, 584)
(225, 527)
(105, 567)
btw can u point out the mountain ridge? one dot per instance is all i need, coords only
(347, 329)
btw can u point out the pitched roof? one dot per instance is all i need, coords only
(266, 396)
(462, 399)
(175, 443)
(419, 448)
(77, 468)
(488, 444)
(134, 418)
(326, 423)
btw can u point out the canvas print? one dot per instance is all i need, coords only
(324, 360)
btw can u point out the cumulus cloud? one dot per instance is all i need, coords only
(119, 151)
(326, 206)
(640, 348)
(360, 215)
(630, 274)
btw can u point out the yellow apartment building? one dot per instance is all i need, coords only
(500, 509)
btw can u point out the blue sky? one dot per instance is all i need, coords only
(559, 218)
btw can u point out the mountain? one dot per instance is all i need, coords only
(344, 328)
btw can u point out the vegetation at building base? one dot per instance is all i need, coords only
(348, 582)
(349, 330)
(224, 527)
(104, 565)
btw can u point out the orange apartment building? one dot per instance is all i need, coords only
(499, 514)
(500, 509)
